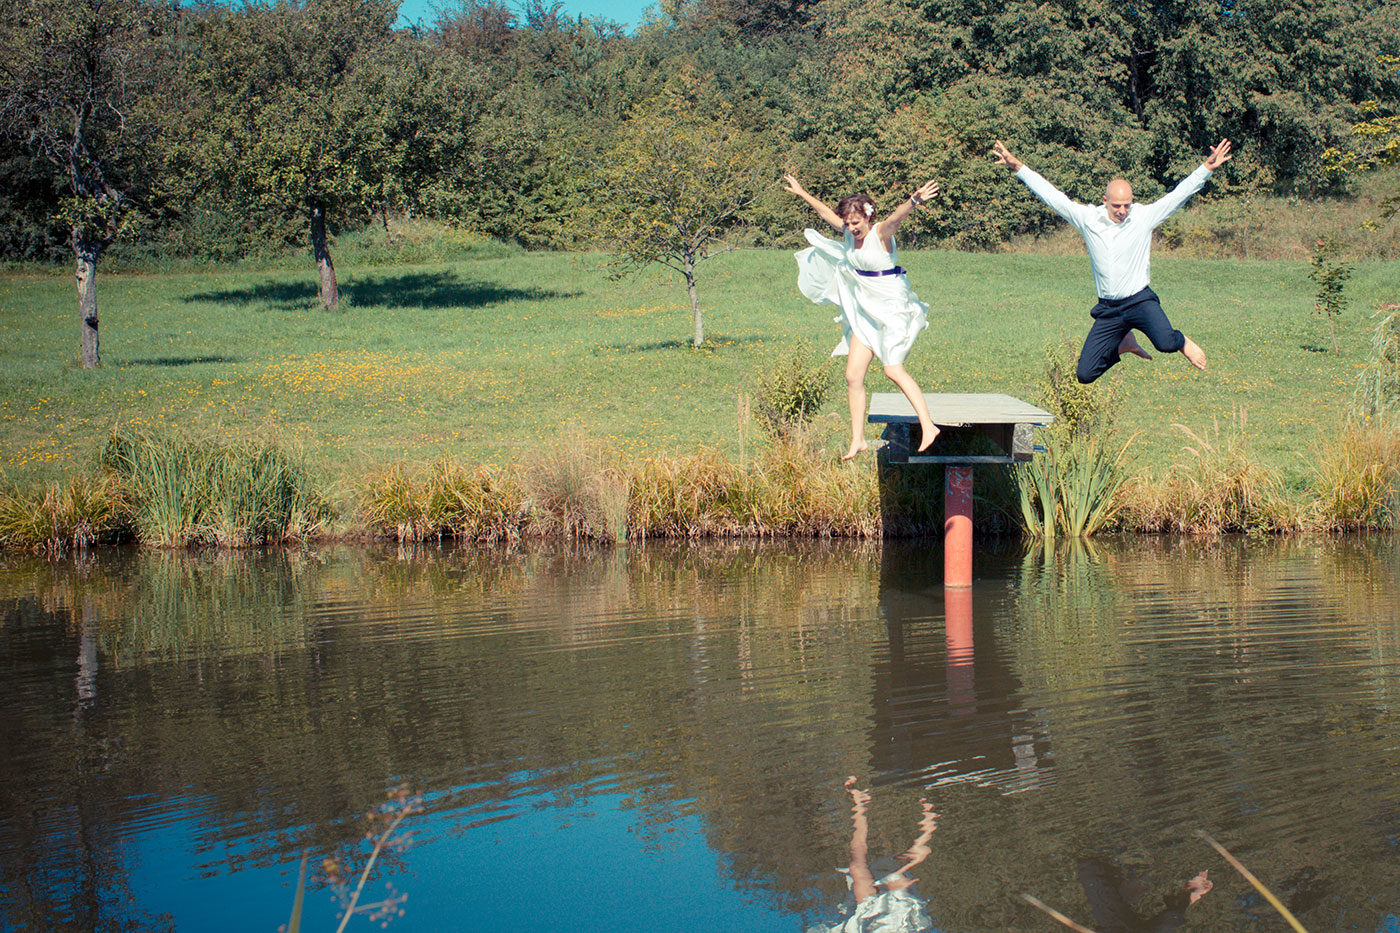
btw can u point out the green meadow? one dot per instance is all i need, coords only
(496, 355)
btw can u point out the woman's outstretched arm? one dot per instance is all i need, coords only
(821, 207)
(890, 224)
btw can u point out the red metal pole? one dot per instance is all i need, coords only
(957, 526)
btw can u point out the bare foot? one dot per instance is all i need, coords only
(930, 434)
(855, 449)
(1194, 354)
(1199, 886)
(1129, 344)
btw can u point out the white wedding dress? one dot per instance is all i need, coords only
(881, 312)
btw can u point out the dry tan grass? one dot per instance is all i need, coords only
(83, 511)
(1218, 487)
(1357, 479)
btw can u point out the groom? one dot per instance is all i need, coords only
(1118, 234)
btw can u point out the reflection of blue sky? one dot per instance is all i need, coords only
(590, 864)
(626, 12)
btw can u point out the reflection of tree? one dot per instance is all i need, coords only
(314, 675)
(1235, 650)
(60, 862)
(737, 682)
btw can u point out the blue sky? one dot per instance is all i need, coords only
(626, 12)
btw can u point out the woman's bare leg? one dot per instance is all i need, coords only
(862, 881)
(857, 364)
(911, 391)
(916, 853)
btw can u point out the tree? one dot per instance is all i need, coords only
(87, 92)
(295, 126)
(1330, 277)
(1377, 143)
(676, 186)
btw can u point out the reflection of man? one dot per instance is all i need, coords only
(1119, 238)
(1110, 898)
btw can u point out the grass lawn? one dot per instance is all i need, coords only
(488, 359)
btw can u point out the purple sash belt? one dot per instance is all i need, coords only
(895, 271)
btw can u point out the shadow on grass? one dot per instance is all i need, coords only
(712, 343)
(402, 290)
(439, 290)
(179, 360)
(1312, 348)
(281, 296)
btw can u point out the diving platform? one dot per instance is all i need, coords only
(963, 419)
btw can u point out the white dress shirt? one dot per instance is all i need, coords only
(1119, 253)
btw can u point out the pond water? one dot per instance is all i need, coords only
(656, 738)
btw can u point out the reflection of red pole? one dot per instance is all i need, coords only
(957, 526)
(957, 625)
(957, 634)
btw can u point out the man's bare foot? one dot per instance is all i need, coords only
(1129, 344)
(1199, 886)
(1194, 354)
(930, 434)
(855, 450)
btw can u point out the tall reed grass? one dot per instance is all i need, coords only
(171, 492)
(83, 511)
(701, 495)
(1072, 488)
(1377, 394)
(792, 490)
(576, 494)
(1356, 479)
(189, 492)
(445, 500)
(1220, 487)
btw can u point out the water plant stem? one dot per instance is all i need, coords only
(1041, 905)
(1249, 876)
(379, 844)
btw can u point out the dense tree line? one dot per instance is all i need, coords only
(224, 130)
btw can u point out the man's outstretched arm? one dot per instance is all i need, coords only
(1004, 156)
(1219, 155)
(1057, 200)
(1159, 210)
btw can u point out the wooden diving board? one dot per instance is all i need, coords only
(1006, 420)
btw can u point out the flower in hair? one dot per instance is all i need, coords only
(869, 208)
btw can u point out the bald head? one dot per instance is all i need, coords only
(1118, 199)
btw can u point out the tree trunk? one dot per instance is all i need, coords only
(330, 295)
(694, 303)
(85, 251)
(1135, 66)
(87, 659)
